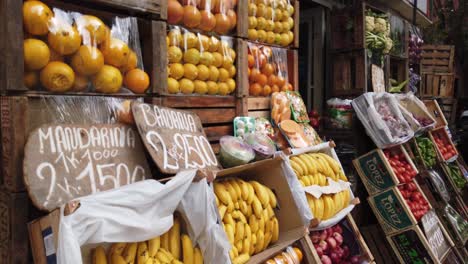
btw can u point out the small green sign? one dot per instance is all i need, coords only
(391, 210)
(410, 248)
(375, 171)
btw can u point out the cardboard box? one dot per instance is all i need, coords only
(269, 173)
(443, 132)
(436, 113)
(376, 172)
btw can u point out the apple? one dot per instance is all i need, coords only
(335, 257)
(319, 251)
(345, 251)
(337, 228)
(325, 259)
(315, 236)
(354, 259)
(323, 245)
(331, 242)
(338, 238)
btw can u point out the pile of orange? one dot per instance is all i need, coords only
(199, 64)
(67, 57)
(265, 76)
(208, 15)
(270, 21)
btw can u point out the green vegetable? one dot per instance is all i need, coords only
(427, 150)
(397, 88)
(456, 175)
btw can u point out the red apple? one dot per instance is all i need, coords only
(331, 242)
(338, 238)
(326, 260)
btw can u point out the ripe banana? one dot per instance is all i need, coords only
(261, 193)
(241, 259)
(311, 169)
(244, 189)
(247, 239)
(251, 193)
(239, 235)
(153, 246)
(243, 208)
(335, 166)
(197, 256)
(187, 249)
(261, 224)
(142, 253)
(275, 232)
(267, 240)
(222, 210)
(230, 233)
(117, 259)
(270, 211)
(150, 261)
(347, 197)
(232, 192)
(174, 239)
(296, 167)
(165, 240)
(129, 253)
(311, 203)
(237, 188)
(301, 164)
(253, 223)
(318, 206)
(260, 241)
(222, 193)
(164, 256)
(116, 248)
(257, 207)
(328, 207)
(306, 180)
(99, 255)
(272, 198)
(338, 202)
(253, 243)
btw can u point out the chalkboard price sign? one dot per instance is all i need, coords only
(63, 162)
(174, 138)
(434, 234)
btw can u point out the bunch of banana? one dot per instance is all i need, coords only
(328, 205)
(313, 168)
(165, 249)
(249, 220)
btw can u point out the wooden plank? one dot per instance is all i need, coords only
(242, 81)
(154, 8)
(429, 82)
(360, 239)
(293, 68)
(295, 43)
(438, 47)
(242, 108)
(242, 18)
(155, 62)
(214, 133)
(428, 62)
(257, 103)
(214, 116)
(435, 85)
(197, 101)
(439, 55)
(265, 114)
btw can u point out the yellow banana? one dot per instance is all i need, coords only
(142, 253)
(334, 165)
(236, 205)
(251, 193)
(239, 245)
(222, 193)
(216, 200)
(153, 246)
(268, 226)
(232, 254)
(228, 219)
(165, 240)
(275, 232)
(328, 207)
(244, 189)
(162, 257)
(296, 168)
(318, 165)
(156, 261)
(253, 243)
(342, 176)
(116, 248)
(347, 197)
(230, 233)
(260, 241)
(174, 239)
(310, 201)
(230, 207)
(261, 224)
(243, 208)
(267, 239)
(232, 192)
(337, 201)
(301, 164)
(305, 160)
(323, 180)
(257, 207)
(117, 259)
(313, 164)
(261, 192)
(253, 223)
(270, 211)
(249, 210)
(237, 188)
(99, 255)
(241, 259)
(239, 232)
(272, 199)
(306, 180)
(318, 205)
(312, 180)
(150, 261)
(176, 261)
(197, 256)
(222, 210)
(265, 214)
(247, 239)
(129, 253)
(187, 249)
(328, 170)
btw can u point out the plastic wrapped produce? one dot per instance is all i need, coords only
(66, 51)
(263, 146)
(234, 152)
(340, 113)
(381, 116)
(200, 64)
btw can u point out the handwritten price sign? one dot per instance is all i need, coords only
(63, 162)
(174, 138)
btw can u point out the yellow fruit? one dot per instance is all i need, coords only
(174, 239)
(270, 37)
(57, 77)
(36, 54)
(212, 87)
(116, 52)
(108, 80)
(252, 34)
(189, 40)
(174, 54)
(93, 30)
(232, 54)
(187, 249)
(206, 58)
(99, 255)
(176, 70)
(190, 71)
(261, 10)
(186, 86)
(87, 60)
(252, 9)
(203, 43)
(223, 88)
(278, 15)
(203, 72)
(278, 27)
(175, 37)
(268, 13)
(285, 14)
(227, 63)
(214, 44)
(64, 38)
(270, 25)
(231, 85)
(30, 79)
(214, 73)
(131, 63)
(36, 17)
(261, 23)
(252, 22)
(173, 86)
(217, 59)
(54, 56)
(290, 9)
(290, 22)
(200, 87)
(192, 56)
(223, 75)
(232, 71)
(80, 84)
(262, 35)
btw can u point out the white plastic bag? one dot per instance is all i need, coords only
(381, 116)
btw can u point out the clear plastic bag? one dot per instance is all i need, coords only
(381, 116)
(271, 22)
(267, 70)
(66, 51)
(208, 15)
(200, 64)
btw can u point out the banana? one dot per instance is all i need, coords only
(117, 259)
(310, 201)
(347, 197)
(241, 259)
(187, 249)
(245, 190)
(232, 254)
(230, 207)
(337, 201)
(318, 205)
(342, 176)
(232, 192)
(301, 164)
(150, 261)
(167, 254)
(222, 193)
(270, 211)
(239, 232)
(306, 180)
(116, 248)
(334, 165)
(323, 180)
(162, 257)
(296, 168)
(261, 224)
(165, 240)
(328, 171)
(142, 253)
(318, 165)
(222, 210)
(257, 207)
(272, 199)
(216, 200)
(267, 239)
(174, 239)
(228, 219)
(312, 180)
(237, 188)
(236, 205)
(176, 261)
(153, 246)
(253, 223)
(261, 193)
(265, 214)
(249, 210)
(243, 208)
(275, 232)
(156, 261)
(253, 244)
(129, 253)
(260, 241)
(251, 193)
(197, 256)
(99, 255)
(239, 245)
(230, 232)
(247, 239)
(328, 207)
(313, 165)
(307, 163)
(268, 226)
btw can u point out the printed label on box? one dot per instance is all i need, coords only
(391, 210)
(373, 167)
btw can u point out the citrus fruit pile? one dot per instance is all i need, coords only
(199, 64)
(65, 52)
(208, 15)
(270, 21)
(267, 70)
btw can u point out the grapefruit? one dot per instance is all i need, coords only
(92, 29)
(64, 38)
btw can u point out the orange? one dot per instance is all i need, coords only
(137, 81)
(261, 23)
(174, 36)
(278, 15)
(223, 88)
(231, 84)
(267, 69)
(54, 56)
(116, 52)
(186, 86)
(175, 12)
(87, 60)
(280, 81)
(252, 9)
(218, 59)
(266, 90)
(174, 54)
(57, 77)
(36, 54)
(131, 63)
(232, 53)
(207, 5)
(272, 80)
(212, 87)
(214, 73)
(189, 40)
(223, 75)
(232, 18)
(253, 75)
(192, 56)
(214, 44)
(176, 70)
(192, 16)
(252, 22)
(298, 253)
(270, 37)
(107, 80)
(255, 89)
(190, 71)
(250, 60)
(278, 27)
(261, 60)
(252, 34)
(275, 88)
(261, 35)
(232, 71)
(206, 58)
(262, 79)
(267, 51)
(93, 30)
(208, 20)
(261, 10)
(200, 87)
(80, 84)
(227, 63)
(64, 38)
(203, 72)
(30, 79)
(173, 86)
(223, 24)
(36, 17)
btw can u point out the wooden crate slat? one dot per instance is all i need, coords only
(256, 103)
(438, 47)
(437, 58)
(198, 101)
(429, 62)
(264, 114)
(438, 85)
(155, 8)
(216, 132)
(214, 116)
(438, 55)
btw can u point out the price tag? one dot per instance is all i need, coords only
(435, 236)
(63, 162)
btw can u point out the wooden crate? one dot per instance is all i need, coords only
(11, 44)
(349, 73)
(378, 245)
(348, 27)
(437, 84)
(398, 70)
(443, 132)
(437, 58)
(434, 109)
(449, 108)
(156, 9)
(14, 242)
